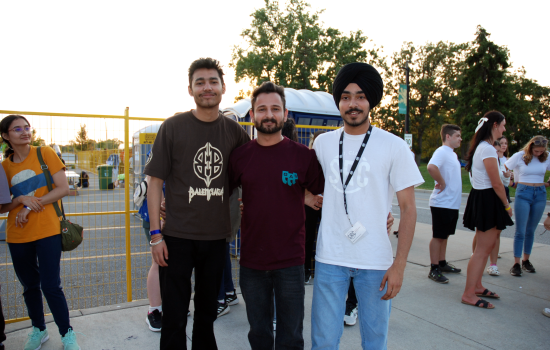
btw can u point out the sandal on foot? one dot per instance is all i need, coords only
(484, 304)
(488, 294)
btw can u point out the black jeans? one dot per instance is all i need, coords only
(37, 265)
(313, 218)
(207, 258)
(257, 287)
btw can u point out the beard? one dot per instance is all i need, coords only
(269, 130)
(357, 122)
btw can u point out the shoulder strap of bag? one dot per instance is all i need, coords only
(48, 177)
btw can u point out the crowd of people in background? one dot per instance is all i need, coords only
(337, 192)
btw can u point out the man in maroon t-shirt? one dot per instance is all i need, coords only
(274, 173)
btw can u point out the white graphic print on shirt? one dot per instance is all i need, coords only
(208, 165)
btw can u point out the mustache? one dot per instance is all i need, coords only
(271, 120)
(349, 111)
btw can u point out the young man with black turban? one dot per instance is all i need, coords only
(363, 167)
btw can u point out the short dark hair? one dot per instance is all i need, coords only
(266, 88)
(448, 129)
(289, 130)
(205, 63)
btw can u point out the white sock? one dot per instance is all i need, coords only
(153, 308)
(230, 293)
(221, 301)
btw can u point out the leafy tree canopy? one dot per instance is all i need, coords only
(291, 48)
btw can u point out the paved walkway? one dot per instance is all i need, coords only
(425, 315)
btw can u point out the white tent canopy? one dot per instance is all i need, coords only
(305, 101)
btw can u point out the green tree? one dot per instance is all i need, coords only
(485, 85)
(37, 140)
(434, 74)
(293, 49)
(81, 140)
(529, 114)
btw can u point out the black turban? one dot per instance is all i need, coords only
(362, 74)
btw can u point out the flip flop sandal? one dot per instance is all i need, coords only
(488, 294)
(484, 304)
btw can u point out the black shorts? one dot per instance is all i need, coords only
(443, 222)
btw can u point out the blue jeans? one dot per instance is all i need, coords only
(257, 287)
(330, 286)
(529, 207)
(227, 279)
(37, 265)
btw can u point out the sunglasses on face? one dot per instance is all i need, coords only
(19, 129)
(543, 142)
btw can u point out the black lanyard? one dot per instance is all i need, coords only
(355, 163)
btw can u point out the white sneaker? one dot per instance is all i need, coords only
(350, 317)
(493, 270)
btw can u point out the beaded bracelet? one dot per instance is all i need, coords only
(156, 243)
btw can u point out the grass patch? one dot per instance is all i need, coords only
(466, 185)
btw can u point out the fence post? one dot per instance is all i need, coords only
(127, 203)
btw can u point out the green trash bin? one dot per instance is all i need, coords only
(105, 175)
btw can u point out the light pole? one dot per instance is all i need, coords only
(407, 70)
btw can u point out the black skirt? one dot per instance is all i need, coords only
(484, 210)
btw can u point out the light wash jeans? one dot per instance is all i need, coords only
(529, 207)
(331, 285)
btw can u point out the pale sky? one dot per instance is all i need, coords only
(102, 56)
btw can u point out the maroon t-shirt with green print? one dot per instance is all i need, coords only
(273, 180)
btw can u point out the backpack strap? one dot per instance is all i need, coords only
(48, 177)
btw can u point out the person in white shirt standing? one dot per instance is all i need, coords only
(530, 166)
(363, 166)
(487, 210)
(444, 168)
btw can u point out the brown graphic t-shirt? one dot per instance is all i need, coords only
(192, 157)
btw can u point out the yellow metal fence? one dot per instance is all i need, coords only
(112, 264)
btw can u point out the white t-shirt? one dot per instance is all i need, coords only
(480, 179)
(386, 165)
(446, 160)
(532, 173)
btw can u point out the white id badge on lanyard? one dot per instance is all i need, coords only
(356, 232)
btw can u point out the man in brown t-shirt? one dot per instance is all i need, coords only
(191, 154)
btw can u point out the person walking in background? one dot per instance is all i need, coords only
(5, 198)
(444, 168)
(363, 167)
(487, 210)
(530, 166)
(33, 231)
(190, 154)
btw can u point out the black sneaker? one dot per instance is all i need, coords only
(450, 268)
(515, 270)
(527, 266)
(436, 276)
(154, 320)
(231, 299)
(223, 309)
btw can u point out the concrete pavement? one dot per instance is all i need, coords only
(425, 315)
